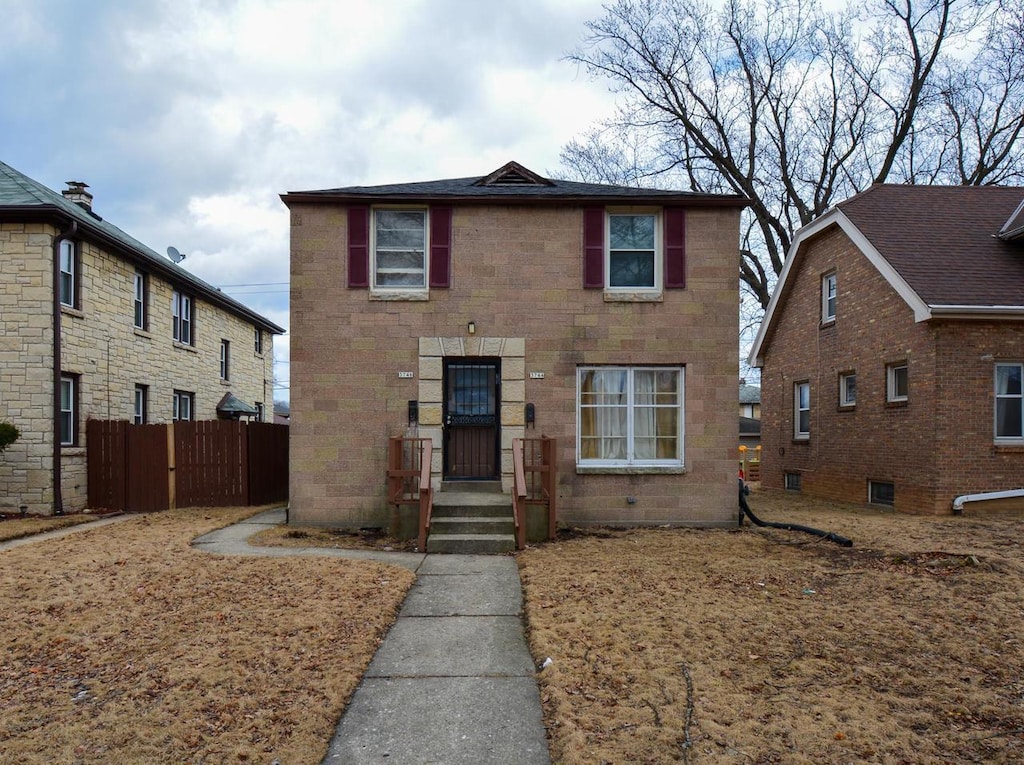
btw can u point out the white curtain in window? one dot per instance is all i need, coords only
(604, 408)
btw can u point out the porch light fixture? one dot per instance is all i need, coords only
(471, 328)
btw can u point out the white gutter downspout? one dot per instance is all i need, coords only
(959, 502)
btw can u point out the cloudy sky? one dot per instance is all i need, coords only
(188, 118)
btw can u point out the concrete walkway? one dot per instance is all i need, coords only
(453, 681)
(10, 544)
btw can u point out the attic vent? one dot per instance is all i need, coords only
(513, 174)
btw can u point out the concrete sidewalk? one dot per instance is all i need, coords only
(42, 536)
(453, 681)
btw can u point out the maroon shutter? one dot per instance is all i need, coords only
(593, 247)
(440, 246)
(359, 246)
(675, 247)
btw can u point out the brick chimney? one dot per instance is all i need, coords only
(76, 192)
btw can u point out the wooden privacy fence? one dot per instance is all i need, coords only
(143, 468)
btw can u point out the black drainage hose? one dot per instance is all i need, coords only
(788, 526)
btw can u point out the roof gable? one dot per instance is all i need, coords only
(936, 246)
(513, 174)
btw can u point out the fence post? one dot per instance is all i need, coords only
(171, 479)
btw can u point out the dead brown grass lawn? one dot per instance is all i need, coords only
(16, 527)
(123, 644)
(767, 646)
(339, 539)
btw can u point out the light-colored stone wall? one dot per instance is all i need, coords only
(111, 357)
(517, 274)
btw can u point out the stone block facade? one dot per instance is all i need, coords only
(108, 356)
(358, 360)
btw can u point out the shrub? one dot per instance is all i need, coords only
(8, 435)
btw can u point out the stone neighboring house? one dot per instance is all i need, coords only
(892, 351)
(93, 324)
(473, 311)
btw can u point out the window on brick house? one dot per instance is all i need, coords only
(258, 342)
(881, 493)
(1009, 392)
(793, 482)
(847, 389)
(630, 416)
(632, 260)
(828, 298)
(802, 411)
(897, 387)
(400, 248)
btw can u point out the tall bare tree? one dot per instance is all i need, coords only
(798, 108)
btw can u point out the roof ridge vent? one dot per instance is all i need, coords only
(513, 174)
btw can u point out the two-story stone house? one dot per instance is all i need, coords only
(892, 351)
(474, 311)
(93, 324)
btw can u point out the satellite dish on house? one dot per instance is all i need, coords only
(173, 254)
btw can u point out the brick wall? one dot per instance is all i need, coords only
(111, 357)
(516, 273)
(939, 441)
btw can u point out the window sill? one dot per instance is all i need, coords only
(142, 333)
(224, 382)
(801, 441)
(630, 469)
(182, 346)
(409, 295)
(69, 311)
(826, 323)
(846, 407)
(72, 450)
(1009, 447)
(896, 404)
(634, 296)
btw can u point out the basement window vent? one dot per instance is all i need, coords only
(793, 482)
(881, 493)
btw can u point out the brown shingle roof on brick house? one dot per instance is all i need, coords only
(946, 250)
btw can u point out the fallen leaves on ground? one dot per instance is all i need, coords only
(16, 527)
(766, 646)
(123, 644)
(341, 539)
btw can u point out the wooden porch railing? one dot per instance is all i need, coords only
(409, 479)
(534, 482)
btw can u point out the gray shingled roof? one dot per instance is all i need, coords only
(510, 185)
(21, 197)
(943, 240)
(750, 394)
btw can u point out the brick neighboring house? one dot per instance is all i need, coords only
(93, 324)
(504, 288)
(892, 350)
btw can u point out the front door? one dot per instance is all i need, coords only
(471, 427)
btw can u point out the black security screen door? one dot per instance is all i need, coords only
(471, 405)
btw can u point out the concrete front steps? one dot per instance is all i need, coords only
(472, 518)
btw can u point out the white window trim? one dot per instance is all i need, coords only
(659, 252)
(844, 398)
(828, 293)
(891, 395)
(258, 341)
(225, 360)
(71, 412)
(629, 463)
(801, 435)
(182, 316)
(407, 292)
(180, 396)
(141, 401)
(1016, 440)
(68, 247)
(139, 307)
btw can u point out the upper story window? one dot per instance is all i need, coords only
(225, 360)
(633, 247)
(258, 343)
(69, 273)
(181, 313)
(801, 411)
(847, 389)
(630, 416)
(633, 253)
(401, 250)
(897, 387)
(1009, 402)
(828, 298)
(141, 300)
